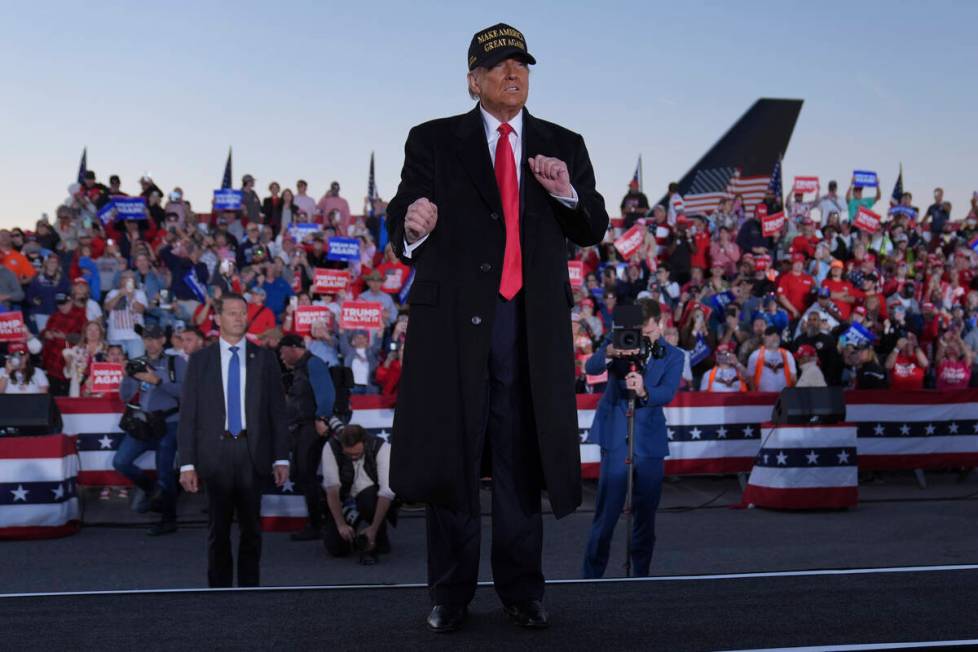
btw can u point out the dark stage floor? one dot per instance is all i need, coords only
(674, 615)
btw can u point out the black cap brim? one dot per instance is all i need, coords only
(501, 54)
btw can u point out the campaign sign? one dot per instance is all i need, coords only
(340, 248)
(806, 184)
(106, 377)
(772, 224)
(393, 280)
(365, 315)
(330, 281)
(306, 316)
(592, 380)
(575, 270)
(865, 179)
(630, 241)
(129, 208)
(227, 199)
(12, 326)
(107, 213)
(762, 262)
(302, 230)
(867, 220)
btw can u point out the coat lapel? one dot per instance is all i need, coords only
(537, 139)
(214, 362)
(253, 386)
(474, 156)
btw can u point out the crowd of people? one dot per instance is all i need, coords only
(819, 301)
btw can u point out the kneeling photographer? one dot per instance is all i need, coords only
(642, 365)
(151, 391)
(356, 472)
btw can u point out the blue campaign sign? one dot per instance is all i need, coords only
(227, 199)
(340, 248)
(107, 213)
(300, 230)
(865, 179)
(129, 208)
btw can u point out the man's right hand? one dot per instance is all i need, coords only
(421, 218)
(347, 533)
(189, 482)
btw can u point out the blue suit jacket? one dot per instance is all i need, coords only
(661, 382)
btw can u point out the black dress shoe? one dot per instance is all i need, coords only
(531, 614)
(446, 618)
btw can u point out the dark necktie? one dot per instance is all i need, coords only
(234, 394)
(509, 193)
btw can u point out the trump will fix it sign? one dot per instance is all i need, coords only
(367, 315)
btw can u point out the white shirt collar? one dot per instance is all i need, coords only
(491, 124)
(226, 346)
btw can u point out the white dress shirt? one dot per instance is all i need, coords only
(491, 124)
(243, 377)
(361, 481)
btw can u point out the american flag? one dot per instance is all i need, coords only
(775, 187)
(711, 186)
(226, 181)
(371, 188)
(897, 189)
(636, 182)
(83, 166)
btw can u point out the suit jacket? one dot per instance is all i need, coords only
(441, 407)
(662, 378)
(203, 410)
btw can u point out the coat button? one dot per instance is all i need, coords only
(476, 320)
(485, 267)
(494, 216)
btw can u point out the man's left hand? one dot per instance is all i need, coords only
(552, 175)
(636, 383)
(281, 472)
(321, 428)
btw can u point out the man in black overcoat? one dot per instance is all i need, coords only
(486, 203)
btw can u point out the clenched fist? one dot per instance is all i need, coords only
(420, 220)
(552, 175)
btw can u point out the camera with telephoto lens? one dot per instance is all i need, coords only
(137, 366)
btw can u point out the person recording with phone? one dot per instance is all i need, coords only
(651, 369)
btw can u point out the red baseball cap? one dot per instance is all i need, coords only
(797, 257)
(806, 351)
(860, 310)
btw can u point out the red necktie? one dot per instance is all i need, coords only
(509, 192)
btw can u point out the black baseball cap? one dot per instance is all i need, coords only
(152, 331)
(293, 340)
(493, 44)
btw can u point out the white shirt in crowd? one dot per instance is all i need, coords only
(772, 371)
(360, 367)
(726, 380)
(121, 322)
(243, 378)
(361, 481)
(491, 125)
(15, 384)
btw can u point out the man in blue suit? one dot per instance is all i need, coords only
(653, 389)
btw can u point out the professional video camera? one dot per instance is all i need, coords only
(626, 335)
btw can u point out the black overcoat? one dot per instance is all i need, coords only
(442, 397)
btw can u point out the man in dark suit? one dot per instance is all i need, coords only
(486, 203)
(653, 389)
(233, 431)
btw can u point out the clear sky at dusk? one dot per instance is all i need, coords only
(309, 89)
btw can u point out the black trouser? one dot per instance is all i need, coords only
(367, 506)
(307, 450)
(510, 441)
(234, 488)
